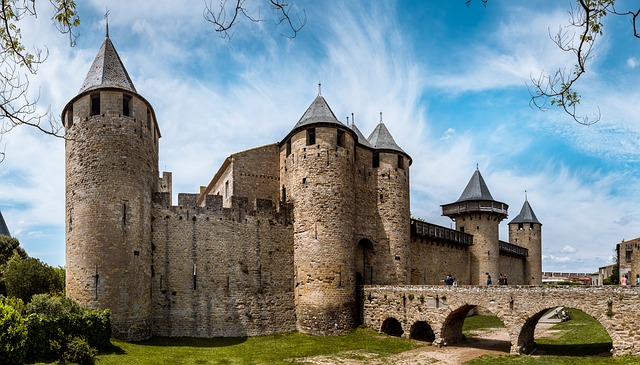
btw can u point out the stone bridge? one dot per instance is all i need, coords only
(437, 313)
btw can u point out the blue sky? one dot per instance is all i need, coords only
(450, 80)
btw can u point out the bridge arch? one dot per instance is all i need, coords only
(526, 338)
(422, 331)
(392, 327)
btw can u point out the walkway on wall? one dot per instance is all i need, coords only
(437, 313)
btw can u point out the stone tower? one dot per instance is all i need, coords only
(525, 230)
(477, 213)
(316, 172)
(391, 164)
(111, 156)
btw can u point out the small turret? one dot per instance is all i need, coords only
(477, 213)
(526, 230)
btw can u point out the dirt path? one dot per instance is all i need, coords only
(494, 341)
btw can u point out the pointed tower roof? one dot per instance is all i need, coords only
(318, 112)
(363, 141)
(476, 189)
(107, 70)
(4, 230)
(382, 139)
(526, 215)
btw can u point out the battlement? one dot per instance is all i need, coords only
(212, 205)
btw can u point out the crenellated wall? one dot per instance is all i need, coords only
(221, 272)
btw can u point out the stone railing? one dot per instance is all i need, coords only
(513, 249)
(432, 231)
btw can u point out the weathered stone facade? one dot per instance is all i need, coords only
(436, 313)
(280, 239)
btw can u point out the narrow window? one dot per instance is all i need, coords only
(126, 105)
(400, 162)
(288, 147)
(311, 136)
(462, 229)
(284, 194)
(70, 117)
(520, 226)
(530, 226)
(376, 160)
(95, 104)
(226, 189)
(340, 140)
(628, 256)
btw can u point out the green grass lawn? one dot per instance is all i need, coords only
(273, 349)
(478, 323)
(578, 338)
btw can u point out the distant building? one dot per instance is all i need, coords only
(604, 272)
(628, 258)
(4, 230)
(549, 277)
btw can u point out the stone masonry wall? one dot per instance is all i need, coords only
(319, 181)
(111, 172)
(514, 267)
(529, 237)
(433, 260)
(518, 307)
(256, 173)
(221, 272)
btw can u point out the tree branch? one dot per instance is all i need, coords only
(224, 18)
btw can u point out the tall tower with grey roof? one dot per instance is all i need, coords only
(317, 177)
(477, 213)
(526, 230)
(111, 154)
(391, 164)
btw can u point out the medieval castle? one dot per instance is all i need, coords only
(282, 237)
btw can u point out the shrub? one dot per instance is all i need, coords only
(13, 336)
(25, 277)
(78, 351)
(48, 306)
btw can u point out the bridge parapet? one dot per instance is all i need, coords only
(519, 307)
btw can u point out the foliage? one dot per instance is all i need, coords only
(286, 348)
(13, 336)
(8, 247)
(79, 352)
(47, 306)
(25, 277)
(614, 278)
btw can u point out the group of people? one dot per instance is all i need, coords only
(502, 279)
(624, 281)
(450, 280)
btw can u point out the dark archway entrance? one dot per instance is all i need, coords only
(421, 331)
(364, 273)
(392, 327)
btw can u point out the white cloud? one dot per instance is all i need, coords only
(632, 62)
(556, 259)
(568, 249)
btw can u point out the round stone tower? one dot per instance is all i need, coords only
(111, 156)
(317, 173)
(526, 230)
(477, 213)
(391, 164)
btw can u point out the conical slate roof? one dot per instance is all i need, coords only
(526, 215)
(318, 112)
(476, 189)
(381, 139)
(361, 139)
(107, 70)
(4, 230)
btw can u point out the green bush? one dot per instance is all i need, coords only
(78, 351)
(48, 306)
(25, 277)
(13, 336)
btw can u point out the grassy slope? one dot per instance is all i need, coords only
(274, 349)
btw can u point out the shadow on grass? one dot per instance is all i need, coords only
(193, 342)
(112, 350)
(590, 349)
